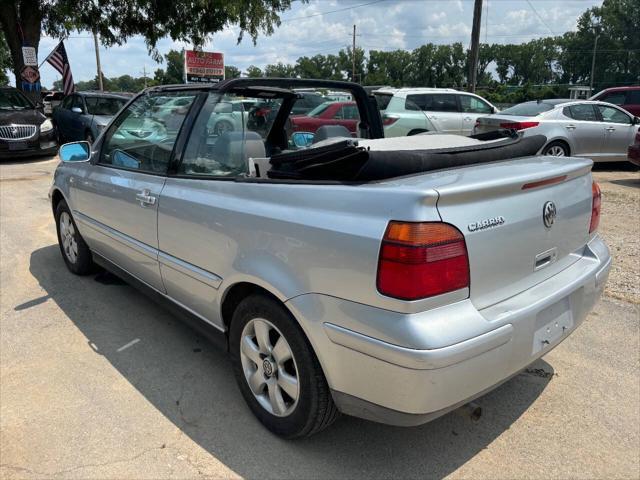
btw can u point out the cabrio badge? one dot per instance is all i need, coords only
(488, 223)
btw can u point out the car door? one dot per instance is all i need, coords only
(442, 110)
(62, 115)
(582, 126)
(117, 198)
(347, 116)
(619, 132)
(195, 212)
(472, 107)
(75, 123)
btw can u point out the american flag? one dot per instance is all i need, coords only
(59, 60)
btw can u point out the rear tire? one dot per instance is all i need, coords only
(306, 406)
(75, 252)
(556, 149)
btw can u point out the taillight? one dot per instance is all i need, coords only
(389, 120)
(519, 125)
(419, 260)
(596, 204)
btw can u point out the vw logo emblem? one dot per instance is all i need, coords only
(549, 213)
(267, 367)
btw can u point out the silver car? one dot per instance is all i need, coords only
(410, 111)
(395, 299)
(596, 130)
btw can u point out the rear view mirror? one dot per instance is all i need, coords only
(302, 139)
(75, 152)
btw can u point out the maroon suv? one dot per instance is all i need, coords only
(625, 97)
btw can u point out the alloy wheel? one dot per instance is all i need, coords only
(556, 151)
(269, 367)
(68, 237)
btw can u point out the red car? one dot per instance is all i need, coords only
(328, 113)
(634, 151)
(625, 97)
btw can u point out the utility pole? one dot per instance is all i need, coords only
(95, 42)
(593, 63)
(475, 45)
(353, 56)
(144, 74)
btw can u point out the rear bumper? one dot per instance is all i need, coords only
(456, 352)
(633, 154)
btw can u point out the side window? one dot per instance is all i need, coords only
(143, 135)
(418, 102)
(444, 103)
(633, 97)
(66, 103)
(78, 103)
(617, 98)
(613, 115)
(216, 151)
(350, 112)
(581, 112)
(471, 104)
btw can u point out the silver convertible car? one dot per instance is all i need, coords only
(390, 279)
(596, 130)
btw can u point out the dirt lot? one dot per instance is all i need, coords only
(96, 381)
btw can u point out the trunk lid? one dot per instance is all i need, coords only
(500, 210)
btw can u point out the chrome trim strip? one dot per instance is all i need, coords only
(189, 270)
(419, 359)
(126, 240)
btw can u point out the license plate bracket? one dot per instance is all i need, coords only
(553, 323)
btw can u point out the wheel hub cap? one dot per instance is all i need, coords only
(267, 368)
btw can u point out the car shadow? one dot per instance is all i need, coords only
(628, 182)
(191, 383)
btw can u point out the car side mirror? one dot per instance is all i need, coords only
(302, 139)
(76, 110)
(75, 152)
(493, 109)
(636, 120)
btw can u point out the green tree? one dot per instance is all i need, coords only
(5, 60)
(253, 72)
(280, 70)
(318, 66)
(388, 68)
(231, 72)
(23, 21)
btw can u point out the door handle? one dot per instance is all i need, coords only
(145, 198)
(570, 127)
(467, 119)
(610, 129)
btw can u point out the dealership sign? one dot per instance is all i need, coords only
(207, 67)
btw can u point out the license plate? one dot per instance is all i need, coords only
(552, 324)
(17, 145)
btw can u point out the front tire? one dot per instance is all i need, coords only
(277, 371)
(75, 251)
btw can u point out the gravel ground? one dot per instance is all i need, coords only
(620, 227)
(99, 382)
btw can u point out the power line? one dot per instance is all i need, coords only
(540, 17)
(331, 11)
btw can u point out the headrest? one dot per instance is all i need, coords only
(329, 131)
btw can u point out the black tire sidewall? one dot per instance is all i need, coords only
(301, 421)
(84, 263)
(556, 144)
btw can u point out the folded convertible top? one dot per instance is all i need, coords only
(346, 161)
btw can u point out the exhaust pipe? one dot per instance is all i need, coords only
(471, 410)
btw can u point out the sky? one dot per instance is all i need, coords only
(326, 26)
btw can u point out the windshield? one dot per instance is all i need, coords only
(316, 112)
(14, 100)
(528, 109)
(104, 105)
